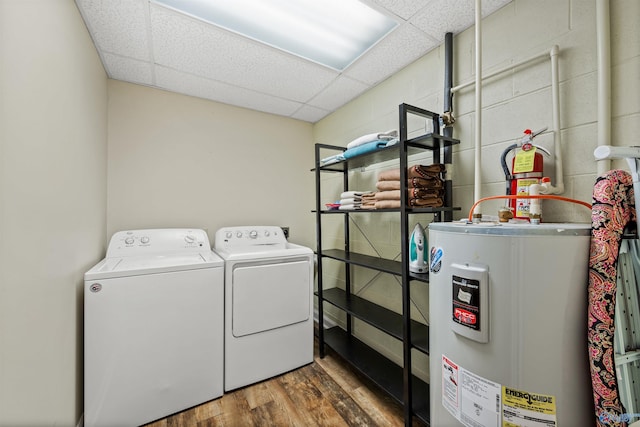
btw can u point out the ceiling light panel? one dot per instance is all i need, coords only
(333, 33)
(387, 58)
(204, 50)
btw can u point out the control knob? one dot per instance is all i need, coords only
(189, 238)
(253, 234)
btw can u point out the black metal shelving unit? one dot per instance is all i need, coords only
(397, 381)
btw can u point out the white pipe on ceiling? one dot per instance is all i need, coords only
(603, 41)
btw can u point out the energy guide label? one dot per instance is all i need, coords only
(525, 409)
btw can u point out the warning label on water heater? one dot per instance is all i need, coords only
(471, 399)
(476, 401)
(466, 302)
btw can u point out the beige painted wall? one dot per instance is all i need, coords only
(53, 153)
(512, 102)
(179, 161)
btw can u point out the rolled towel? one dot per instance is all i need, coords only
(415, 171)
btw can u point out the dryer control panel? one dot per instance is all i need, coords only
(152, 241)
(243, 236)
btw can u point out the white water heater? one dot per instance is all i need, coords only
(508, 325)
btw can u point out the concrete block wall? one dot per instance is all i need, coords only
(511, 102)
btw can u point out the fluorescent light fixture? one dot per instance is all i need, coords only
(333, 33)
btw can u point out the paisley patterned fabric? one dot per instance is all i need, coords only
(613, 208)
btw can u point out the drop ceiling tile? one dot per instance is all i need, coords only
(339, 92)
(452, 17)
(142, 42)
(440, 17)
(403, 8)
(118, 26)
(310, 114)
(200, 87)
(402, 47)
(127, 69)
(184, 43)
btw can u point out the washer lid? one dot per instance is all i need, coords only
(152, 264)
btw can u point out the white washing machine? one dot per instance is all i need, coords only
(153, 327)
(268, 303)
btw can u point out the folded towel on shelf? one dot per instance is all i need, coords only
(365, 148)
(431, 183)
(331, 159)
(349, 207)
(390, 134)
(354, 194)
(351, 201)
(426, 202)
(415, 171)
(387, 204)
(432, 202)
(388, 195)
(369, 205)
(412, 193)
(424, 193)
(391, 142)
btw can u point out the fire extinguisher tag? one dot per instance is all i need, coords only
(524, 160)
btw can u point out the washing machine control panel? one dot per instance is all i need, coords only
(238, 237)
(141, 242)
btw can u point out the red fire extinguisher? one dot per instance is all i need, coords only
(526, 169)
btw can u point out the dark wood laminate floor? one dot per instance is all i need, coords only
(326, 392)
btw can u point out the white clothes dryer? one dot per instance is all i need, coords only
(268, 303)
(153, 327)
